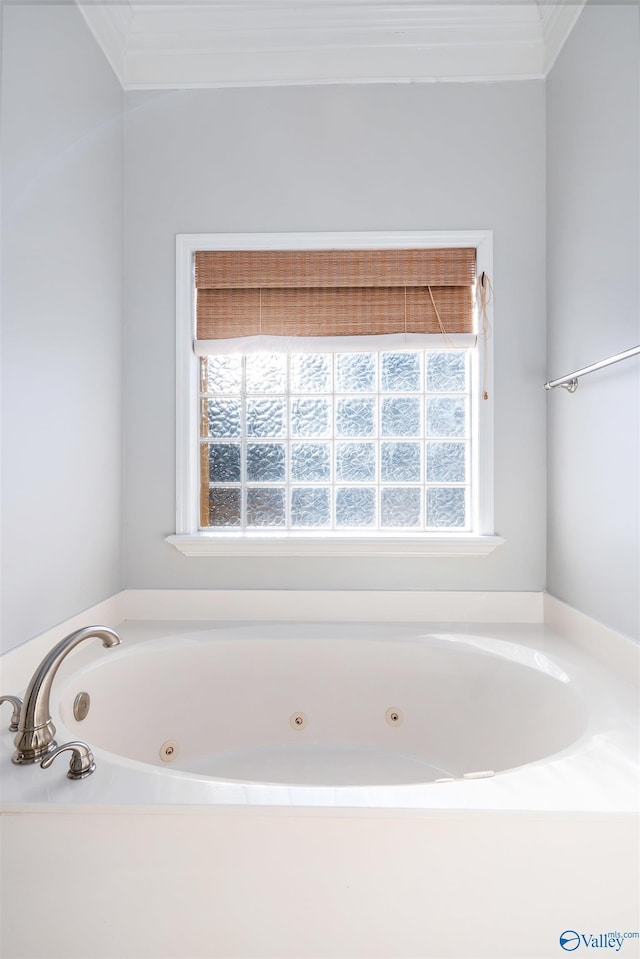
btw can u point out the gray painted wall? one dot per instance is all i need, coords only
(394, 157)
(593, 311)
(61, 115)
(381, 157)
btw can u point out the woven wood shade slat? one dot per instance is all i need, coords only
(243, 293)
(225, 314)
(292, 269)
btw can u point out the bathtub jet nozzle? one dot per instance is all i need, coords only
(35, 736)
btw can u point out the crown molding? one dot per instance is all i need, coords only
(558, 20)
(110, 24)
(221, 43)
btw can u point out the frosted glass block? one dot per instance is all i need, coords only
(271, 427)
(265, 507)
(400, 372)
(355, 506)
(265, 417)
(446, 462)
(400, 507)
(310, 462)
(223, 417)
(401, 416)
(355, 416)
(266, 373)
(356, 462)
(400, 462)
(224, 463)
(310, 417)
(311, 373)
(445, 507)
(356, 372)
(266, 462)
(223, 374)
(445, 416)
(310, 506)
(446, 372)
(224, 507)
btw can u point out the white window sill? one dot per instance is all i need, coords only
(230, 544)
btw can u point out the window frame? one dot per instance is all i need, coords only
(190, 540)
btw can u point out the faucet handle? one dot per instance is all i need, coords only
(16, 702)
(82, 763)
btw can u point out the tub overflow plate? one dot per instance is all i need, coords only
(81, 705)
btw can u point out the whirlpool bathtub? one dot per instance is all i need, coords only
(306, 708)
(326, 789)
(340, 715)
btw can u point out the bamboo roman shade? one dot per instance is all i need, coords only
(333, 292)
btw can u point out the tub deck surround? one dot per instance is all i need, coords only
(282, 605)
(365, 871)
(564, 727)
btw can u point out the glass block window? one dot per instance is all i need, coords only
(316, 443)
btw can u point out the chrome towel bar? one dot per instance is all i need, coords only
(570, 382)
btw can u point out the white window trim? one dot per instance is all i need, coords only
(190, 540)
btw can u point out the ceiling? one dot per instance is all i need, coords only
(214, 43)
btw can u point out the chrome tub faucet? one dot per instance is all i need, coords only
(35, 737)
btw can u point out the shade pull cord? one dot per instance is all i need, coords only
(439, 319)
(484, 296)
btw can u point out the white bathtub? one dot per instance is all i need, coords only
(318, 706)
(261, 838)
(342, 715)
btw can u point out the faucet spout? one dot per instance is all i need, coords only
(35, 737)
